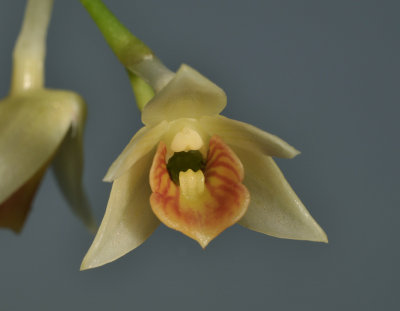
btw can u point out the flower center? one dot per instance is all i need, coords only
(183, 161)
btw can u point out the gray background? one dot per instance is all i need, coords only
(323, 75)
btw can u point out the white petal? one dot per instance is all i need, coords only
(188, 95)
(274, 207)
(142, 143)
(128, 220)
(244, 135)
(68, 169)
(32, 127)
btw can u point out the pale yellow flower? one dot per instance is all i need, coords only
(184, 116)
(38, 127)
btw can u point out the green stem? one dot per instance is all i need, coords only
(128, 48)
(132, 52)
(30, 48)
(143, 92)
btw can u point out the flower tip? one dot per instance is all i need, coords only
(105, 179)
(320, 236)
(108, 178)
(84, 267)
(296, 152)
(89, 263)
(203, 238)
(204, 242)
(110, 175)
(290, 152)
(98, 256)
(324, 238)
(116, 169)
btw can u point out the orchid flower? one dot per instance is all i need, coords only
(189, 167)
(38, 128)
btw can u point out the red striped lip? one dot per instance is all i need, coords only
(200, 212)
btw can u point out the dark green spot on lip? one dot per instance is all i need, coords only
(183, 161)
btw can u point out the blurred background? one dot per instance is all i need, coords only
(323, 75)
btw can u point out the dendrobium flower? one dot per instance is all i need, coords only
(197, 172)
(38, 128)
(189, 167)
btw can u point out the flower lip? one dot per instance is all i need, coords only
(204, 204)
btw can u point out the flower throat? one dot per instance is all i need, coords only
(183, 161)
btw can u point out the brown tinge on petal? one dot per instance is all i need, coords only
(15, 209)
(200, 212)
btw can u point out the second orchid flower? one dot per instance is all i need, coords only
(39, 127)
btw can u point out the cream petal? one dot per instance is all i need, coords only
(142, 143)
(274, 207)
(240, 134)
(188, 95)
(68, 169)
(128, 220)
(32, 126)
